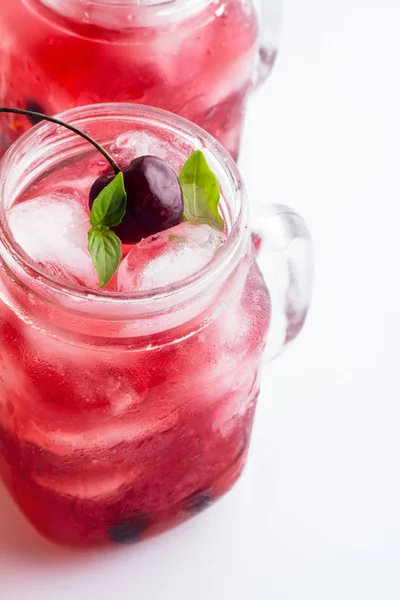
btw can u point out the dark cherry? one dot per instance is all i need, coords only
(154, 198)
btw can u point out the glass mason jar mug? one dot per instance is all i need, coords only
(122, 414)
(196, 58)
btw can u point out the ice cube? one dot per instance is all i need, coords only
(134, 143)
(169, 256)
(53, 232)
(90, 487)
(140, 142)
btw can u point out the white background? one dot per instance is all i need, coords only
(316, 516)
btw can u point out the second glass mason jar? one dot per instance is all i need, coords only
(196, 58)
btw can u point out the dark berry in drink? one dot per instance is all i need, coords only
(34, 107)
(199, 501)
(130, 530)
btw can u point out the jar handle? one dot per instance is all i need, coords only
(269, 14)
(285, 256)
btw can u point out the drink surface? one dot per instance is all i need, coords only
(198, 65)
(119, 435)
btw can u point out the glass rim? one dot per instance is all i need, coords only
(133, 3)
(158, 117)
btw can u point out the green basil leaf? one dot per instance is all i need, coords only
(105, 249)
(109, 207)
(200, 191)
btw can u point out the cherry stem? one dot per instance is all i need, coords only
(31, 113)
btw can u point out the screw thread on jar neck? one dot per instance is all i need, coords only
(124, 14)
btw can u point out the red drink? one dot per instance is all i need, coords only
(195, 58)
(122, 412)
